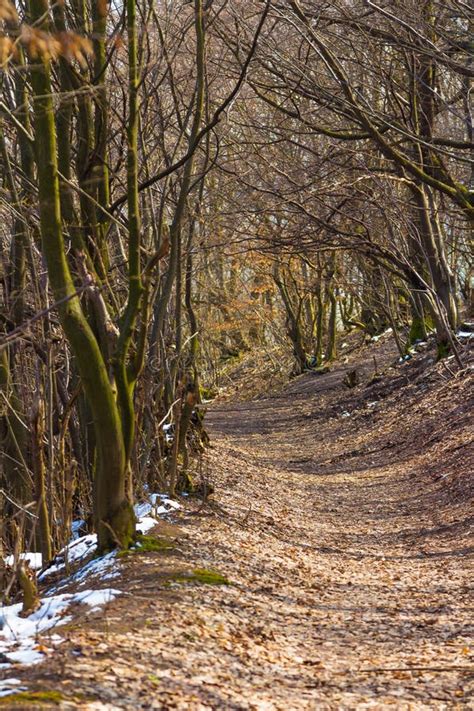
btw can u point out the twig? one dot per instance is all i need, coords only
(22, 508)
(18, 331)
(247, 516)
(161, 422)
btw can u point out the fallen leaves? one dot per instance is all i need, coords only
(334, 604)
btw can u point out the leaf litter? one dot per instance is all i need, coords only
(348, 551)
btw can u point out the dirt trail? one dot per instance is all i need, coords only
(344, 521)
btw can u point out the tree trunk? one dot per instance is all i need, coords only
(112, 510)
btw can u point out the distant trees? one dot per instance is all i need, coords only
(387, 90)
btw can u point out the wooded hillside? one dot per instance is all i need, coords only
(203, 199)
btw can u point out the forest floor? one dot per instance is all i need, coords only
(343, 521)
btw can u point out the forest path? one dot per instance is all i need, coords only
(348, 545)
(365, 552)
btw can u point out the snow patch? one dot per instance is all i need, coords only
(146, 523)
(10, 686)
(78, 526)
(169, 433)
(18, 635)
(156, 506)
(76, 551)
(84, 547)
(34, 560)
(387, 332)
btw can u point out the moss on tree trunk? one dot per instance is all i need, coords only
(113, 512)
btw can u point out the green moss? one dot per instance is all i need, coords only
(443, 349)
(208, 392)
(209, 577)
(31, 697)
(201, 576)
(417, 331)
(185, 482)
(147, 544)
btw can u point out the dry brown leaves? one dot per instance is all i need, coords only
(350, 557)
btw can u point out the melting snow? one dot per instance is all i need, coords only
(18, 635)
(169, 433)
(73, 553)
(387, 332)
(157, 505)
(34, 559)
(81, 548)
(10, 686)
(78, 526)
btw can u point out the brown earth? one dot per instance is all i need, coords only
(344, 520)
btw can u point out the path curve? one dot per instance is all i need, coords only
(364, 549)
(343, 519)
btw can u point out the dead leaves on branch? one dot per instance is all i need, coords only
(39, 44)
(8, 15)
(7, 11)
(7, 49)
(47, 46)
(74, 47)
